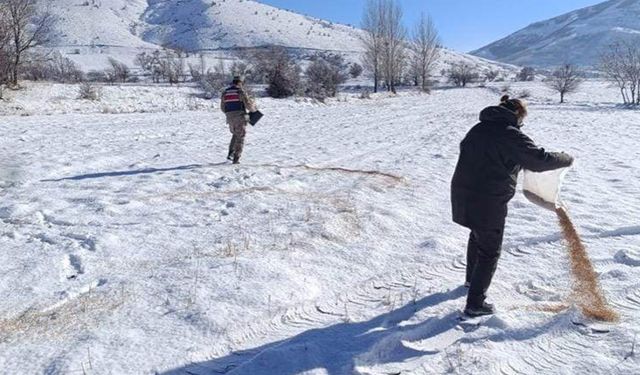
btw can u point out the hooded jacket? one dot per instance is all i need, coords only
(491, 156)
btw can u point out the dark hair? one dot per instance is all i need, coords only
(516, 105)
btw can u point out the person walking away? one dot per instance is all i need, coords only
(235, 103)
(491, 156)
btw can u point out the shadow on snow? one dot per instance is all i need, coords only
(134, 172)
(342, 348)
(338, 348)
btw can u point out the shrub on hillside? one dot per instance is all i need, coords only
(278, 70)
(355, 70)
(491, 75)
(96, 76)
(365, 94)
(89, 91)
(325, 73)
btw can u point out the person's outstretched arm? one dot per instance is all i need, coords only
(524, 151)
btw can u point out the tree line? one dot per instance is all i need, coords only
(621, 66)
(391, 52)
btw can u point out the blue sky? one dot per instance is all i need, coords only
(464, 25)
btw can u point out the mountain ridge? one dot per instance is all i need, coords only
(90, 31)
(194, 25)
(577, 37)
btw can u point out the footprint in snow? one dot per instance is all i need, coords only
(627, 258)
(72, 266)
(87, 243)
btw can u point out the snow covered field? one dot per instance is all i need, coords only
(55, 98)
(128, 247)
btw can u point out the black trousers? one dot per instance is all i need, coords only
(483, 252)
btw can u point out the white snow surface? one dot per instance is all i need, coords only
(129, 247)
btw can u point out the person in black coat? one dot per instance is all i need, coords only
(491, 156)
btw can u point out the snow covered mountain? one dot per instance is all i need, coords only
(577, 37)
(193, 25)
(92, 30)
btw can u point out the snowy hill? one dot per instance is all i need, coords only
(90, 31)
(194, 25)
(577, 37)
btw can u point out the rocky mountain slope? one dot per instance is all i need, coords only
(577, 37)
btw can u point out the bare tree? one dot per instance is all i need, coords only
(372, 39)
(119, 70)
(213, 81)
(63, 69)
(195, 71)
(526, 74)
(461, 74)
(621, 66)
(28, 28)
(145, 62)
(4, 45)
(242, 69)
(425, 51)
(613, 70)
(565, 80)
(393, 37)
(491, 75)
(159, 65)
(53, 67)
(180, 64)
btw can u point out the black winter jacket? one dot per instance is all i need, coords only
(491, 156)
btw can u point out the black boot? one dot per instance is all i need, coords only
(230, 157)
(236, 159)
(484, 309)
